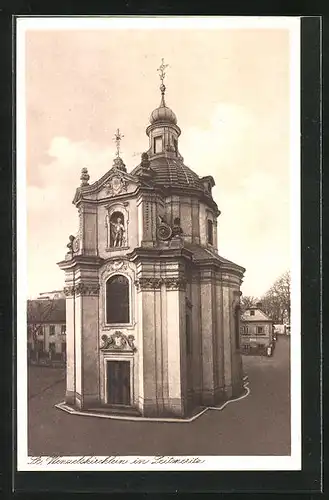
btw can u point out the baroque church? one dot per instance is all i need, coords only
(152, 309)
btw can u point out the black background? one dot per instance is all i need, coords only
(298, 482)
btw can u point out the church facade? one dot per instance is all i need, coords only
(152, 310)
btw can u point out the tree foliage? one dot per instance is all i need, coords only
(38, 312)
(247, 301)
(276, 301)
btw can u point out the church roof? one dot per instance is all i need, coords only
(201, 254)
(172, 172)
(163, 114)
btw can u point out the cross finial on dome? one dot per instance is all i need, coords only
(162, 75)
(117, 138)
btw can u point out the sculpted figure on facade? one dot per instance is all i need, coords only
(118, 231)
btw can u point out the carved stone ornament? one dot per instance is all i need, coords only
(175, 283)
(188, 303)
(117, 264)
(148, 283)
(116, 185)
(76, 244)
(164, 232)
(118, 341)
(82, 289)
(114, 266)
(69, 290)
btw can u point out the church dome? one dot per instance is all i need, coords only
(163, 114)
(171, 172)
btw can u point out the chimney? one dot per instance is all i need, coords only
(259, 305)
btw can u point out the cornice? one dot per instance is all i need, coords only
(81, 261)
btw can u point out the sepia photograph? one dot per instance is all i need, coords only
(158, 229)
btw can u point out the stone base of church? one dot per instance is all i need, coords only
(160, 409)
(133, 414)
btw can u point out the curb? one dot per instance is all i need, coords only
(62, 406)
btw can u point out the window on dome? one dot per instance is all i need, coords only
(175, 146)
(210, 232)
(158, 144)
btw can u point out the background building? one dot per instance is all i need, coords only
(55, 294)
(257, 331)
(46, 329)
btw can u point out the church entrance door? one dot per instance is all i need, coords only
(118, 383)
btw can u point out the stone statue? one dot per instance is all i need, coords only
(177, 231)
(70, 243)
(118, 232)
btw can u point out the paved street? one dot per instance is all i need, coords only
(256, 425)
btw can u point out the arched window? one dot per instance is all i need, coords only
(175, 146)
(117, 230)
(210, 232)
(117, 300)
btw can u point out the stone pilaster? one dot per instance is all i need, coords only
(195, 222)
(82, 372)
(177, 383)
(88, 228)
(227, 338)
(70, 344)
(148, 398)
(207, 342)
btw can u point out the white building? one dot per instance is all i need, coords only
(152, 309)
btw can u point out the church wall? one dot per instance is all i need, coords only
(227, 337)
(70, 350)
(196, 340)
(90, 349)
(220, 335)
(159, 349)
(186, 218)
(233, 371)
(202, 224)
(207, 326)
(78, 347)
(89, 229)
(149, 353)
(175, 203)
(175, 327)
(215, 337)
(237, 369)
(165, 338)
(195, 221)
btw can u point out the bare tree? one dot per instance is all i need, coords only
(276, 301)
(247, 301)
(38, 313)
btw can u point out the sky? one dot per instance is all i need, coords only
(230, 92)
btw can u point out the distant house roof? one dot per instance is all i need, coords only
(258, 315)
(54, 294)
(46, 311)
